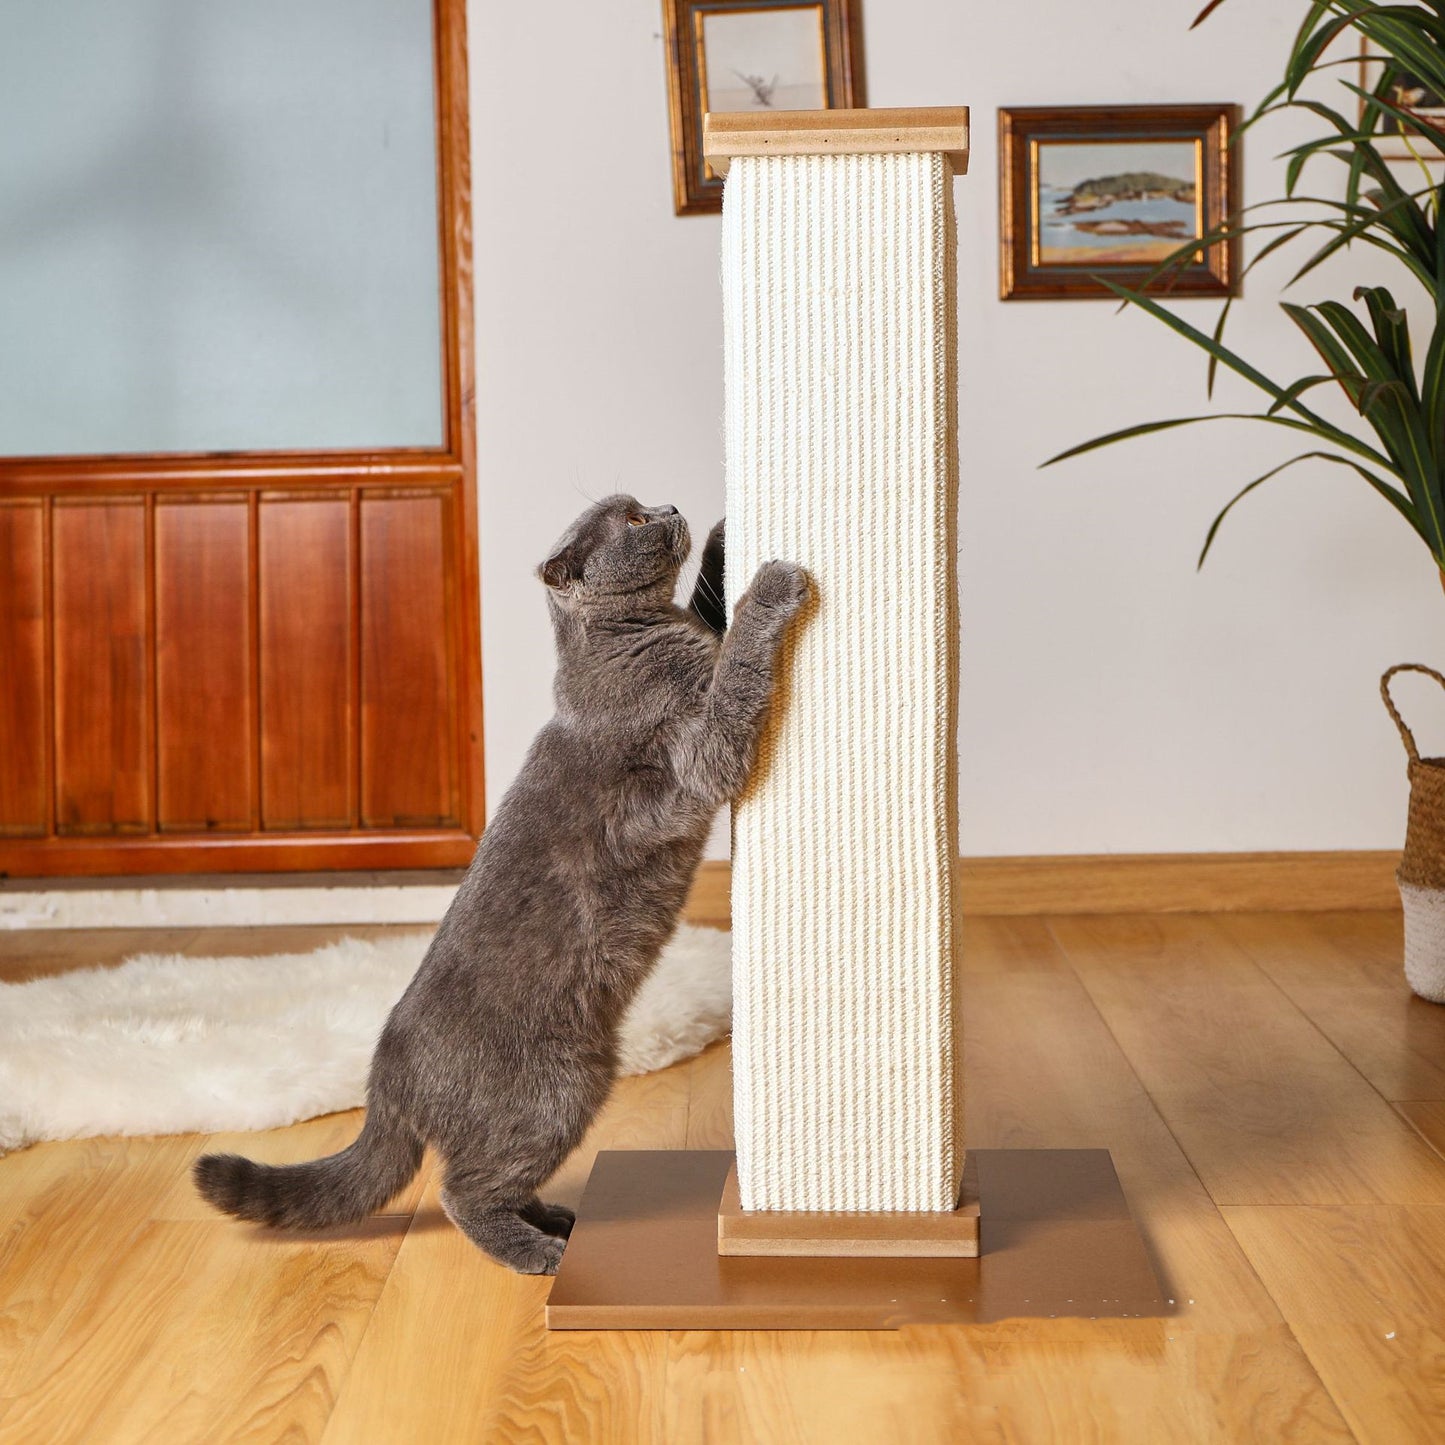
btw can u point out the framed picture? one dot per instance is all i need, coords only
(1409, 93)
(1095, 191)
(726, 55)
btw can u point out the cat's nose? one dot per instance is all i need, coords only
(668, 511)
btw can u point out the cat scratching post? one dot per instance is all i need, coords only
(849, 1206)
(838, 284)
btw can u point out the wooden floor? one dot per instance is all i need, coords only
(1273, 1097)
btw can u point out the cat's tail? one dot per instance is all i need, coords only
(340, 1189)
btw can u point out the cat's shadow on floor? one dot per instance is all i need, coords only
(378, 1226)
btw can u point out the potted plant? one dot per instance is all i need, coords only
(1363, 344)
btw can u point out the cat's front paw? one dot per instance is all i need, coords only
(780, 587)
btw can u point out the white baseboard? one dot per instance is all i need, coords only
(216, 903)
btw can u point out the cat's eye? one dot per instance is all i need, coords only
(635, 519)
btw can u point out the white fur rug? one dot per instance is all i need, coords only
(170, 1045)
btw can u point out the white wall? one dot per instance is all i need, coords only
(1113, 699)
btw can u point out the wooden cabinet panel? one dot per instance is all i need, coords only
(270, 677)
(408, 720)
(24, 811)
(102, 686)
(306, 577)
(205, 752)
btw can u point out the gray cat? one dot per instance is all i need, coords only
(503, 1047)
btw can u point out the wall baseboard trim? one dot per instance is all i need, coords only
(1092, 883)
(218, 903)
(1143, 883)
(1181, 883)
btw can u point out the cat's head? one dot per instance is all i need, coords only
(617, 551)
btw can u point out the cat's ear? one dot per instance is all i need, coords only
(560, 572)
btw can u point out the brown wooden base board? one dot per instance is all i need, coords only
(1057, 1239)
(1141, 883)
(1180, 883)
(743, 1233)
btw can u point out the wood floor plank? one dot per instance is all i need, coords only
(823, 1388)
(27, 953)
(569, 1387)
(1363, 1288)
(710, 1099)
(204, 1332)
(1042, 1072)
(1009, 945)
(41, 952)
(445, 1328)
(1267, 1110)
(66, 1210)
(1344, 972)
(489, 1369)
(1428, 1118)
(295, 938)
(1141, 1385)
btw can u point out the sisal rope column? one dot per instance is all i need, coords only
(838, 273)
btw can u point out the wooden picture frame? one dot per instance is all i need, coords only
(1050, 170)
(1392, 144)
(743, 28)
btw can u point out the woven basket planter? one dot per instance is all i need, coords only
(1422, 867)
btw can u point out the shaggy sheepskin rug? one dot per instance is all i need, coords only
(170, 1045)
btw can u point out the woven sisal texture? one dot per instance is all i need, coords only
(838, 280)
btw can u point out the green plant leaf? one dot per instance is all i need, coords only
(1147, 427)
(1303, 62)
(1432, 391)
(1404, 42)
(1420, 261)
(1392, 333)
(1222, 353)
(1372, 360)
(1372, 392)
(1396, 419)
(1237, 364)
(1212, 370)
(1391, 494)
(1304, 384)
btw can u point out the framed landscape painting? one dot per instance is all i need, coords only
(1089, 192)
(732, 55)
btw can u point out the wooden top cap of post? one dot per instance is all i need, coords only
(908, 129)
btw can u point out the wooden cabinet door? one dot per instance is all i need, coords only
(252, 658)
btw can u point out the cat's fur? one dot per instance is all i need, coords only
(502, 1049)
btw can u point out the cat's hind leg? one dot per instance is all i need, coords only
(490, 1192)
(500, 1230)
(554, 1219)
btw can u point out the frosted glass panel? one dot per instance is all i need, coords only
(218, 226)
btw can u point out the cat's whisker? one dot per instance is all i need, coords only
(710, 590)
